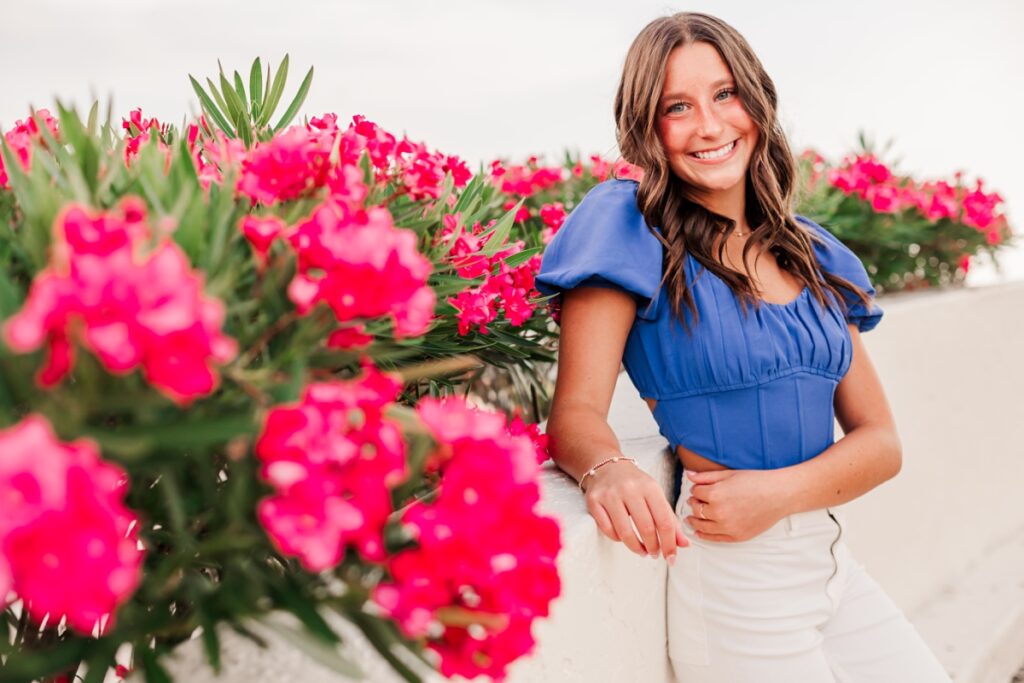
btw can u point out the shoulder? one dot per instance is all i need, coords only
(604, 240)
(608, 215)
(831, 252)
(835, 257)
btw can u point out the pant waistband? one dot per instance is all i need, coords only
(789, 523)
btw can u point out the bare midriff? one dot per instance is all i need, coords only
(691, 461)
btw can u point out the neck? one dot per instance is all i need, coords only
(730, 203)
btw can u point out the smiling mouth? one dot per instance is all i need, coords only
(722, 151)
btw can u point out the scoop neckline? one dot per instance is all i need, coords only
(773, 304)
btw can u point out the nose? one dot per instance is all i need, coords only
(709, 125)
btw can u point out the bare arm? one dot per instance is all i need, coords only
(595, 322)
(594, 325)
(869, 453)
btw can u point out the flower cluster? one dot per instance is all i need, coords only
(22, 136)
(509, 290)
(601, 170)
(362, 266)
(870, 180)
(130, 309)
(481, 572)
(332, 459)
(64, 517)
(298, 161)
(140, 129)
(553, 215)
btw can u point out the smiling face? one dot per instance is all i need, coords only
(700, 111)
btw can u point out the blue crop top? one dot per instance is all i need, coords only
(749, 392)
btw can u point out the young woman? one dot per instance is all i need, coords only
(739, 322)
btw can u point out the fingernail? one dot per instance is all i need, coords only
(671, 560)
(654, 556)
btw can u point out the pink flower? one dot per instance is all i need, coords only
(64, 516)
(291, 165)
(22, 137)
(130, 311)
(474, 308)
(141, 129)
(362, 266)
(532, 430)
(352, 337)
(332, 459)
(884, 198)
(218, 155)
(481, 573)
(981, 209)
(937, 201)
(261, 231)
(524, 181)
(423, 172)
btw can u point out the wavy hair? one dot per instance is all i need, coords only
(663, 197)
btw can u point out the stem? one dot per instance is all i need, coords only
(436, 368)
(279, 325)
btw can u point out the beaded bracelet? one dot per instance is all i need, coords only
(593, 469)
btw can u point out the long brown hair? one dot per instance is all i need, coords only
(686, 225)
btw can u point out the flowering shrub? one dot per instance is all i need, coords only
(239, 372)
(909, 233)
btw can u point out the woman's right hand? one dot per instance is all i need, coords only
(621, 490)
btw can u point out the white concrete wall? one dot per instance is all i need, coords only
(945, 538)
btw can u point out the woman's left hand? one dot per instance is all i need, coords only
(738, 504)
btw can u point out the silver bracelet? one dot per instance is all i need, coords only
(593, 469)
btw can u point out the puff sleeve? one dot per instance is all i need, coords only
(604, 242)
(837, 258)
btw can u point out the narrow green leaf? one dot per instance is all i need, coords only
(155, 673)
(231, 99)
(256, 84)
(244, 129)
(215, 92)
(98, 664)
(276, 90)
(300, 97)
(260, 122)
(525, 255)
(211, 643)
(240, 90)
(92, 120)
(497, 236)
(209, 107)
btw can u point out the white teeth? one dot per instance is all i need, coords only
(715, 154)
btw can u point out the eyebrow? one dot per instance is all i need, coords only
(671, 95)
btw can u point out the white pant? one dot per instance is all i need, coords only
(790, 605)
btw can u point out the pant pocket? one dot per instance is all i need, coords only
(687, 629)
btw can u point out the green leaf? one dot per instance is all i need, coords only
(155, 673)
(93, 115)
(231, 99)
(276, 90)
(523, 256)
(240, 90)
(300, 97)
(209, 107)
(497, 236)
(261, 121)
(244, 129)
(256, 84)
(211, 643)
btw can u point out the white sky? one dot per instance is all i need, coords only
(940, 79)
